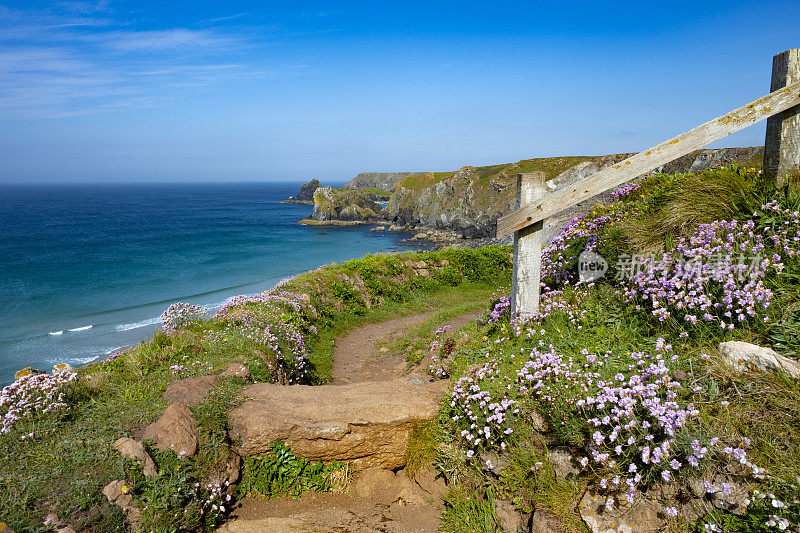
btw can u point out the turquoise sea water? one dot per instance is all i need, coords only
(88, 269)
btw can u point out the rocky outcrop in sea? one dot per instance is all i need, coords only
(344, 205)
(306, 194)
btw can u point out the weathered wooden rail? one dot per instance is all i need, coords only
(781, 159)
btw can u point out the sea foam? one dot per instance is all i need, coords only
(83, 328)
(134, 325)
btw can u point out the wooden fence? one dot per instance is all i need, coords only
(781, 158)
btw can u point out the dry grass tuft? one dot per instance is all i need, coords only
(339, 480)
(678, 209)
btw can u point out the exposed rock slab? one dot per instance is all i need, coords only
(366, 423)
(510, 520)
(132, 449)
(544, 522)
(237, 370)
(388, 511)
(644, 516)
(190, 391)
(743, 356)
(117, 493)
(175, 430)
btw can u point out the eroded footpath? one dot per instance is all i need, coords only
(365, 416)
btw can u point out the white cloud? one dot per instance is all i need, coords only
(176, 38)
(82, 60)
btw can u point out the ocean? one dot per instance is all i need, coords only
(86, 270)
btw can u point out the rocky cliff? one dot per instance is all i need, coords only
(306, 193)
(379, 180)
(344, 205)
(470, 200)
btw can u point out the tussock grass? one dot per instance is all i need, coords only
(470, 511)
(679, 203)
(422, 446)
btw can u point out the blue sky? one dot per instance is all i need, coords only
(214, 91)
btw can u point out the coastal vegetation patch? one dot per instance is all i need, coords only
(620, 402)
(61, 429)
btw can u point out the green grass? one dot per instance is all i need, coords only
(469, 511)
(677, 204)
(374, 191)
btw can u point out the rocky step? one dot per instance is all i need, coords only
(367, 424)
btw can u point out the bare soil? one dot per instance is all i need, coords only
(359, 357)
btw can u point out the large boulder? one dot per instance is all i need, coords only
(367, 423)
(132, 449)
(745, 356)
(339, 204)
(190, 391)
(175, 430)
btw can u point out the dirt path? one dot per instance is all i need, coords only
(397, 504)
(358, 357)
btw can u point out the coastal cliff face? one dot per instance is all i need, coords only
(344, 205)
(470, 200)
(379, 180)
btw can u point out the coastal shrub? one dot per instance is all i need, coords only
(479, 265)
(448, 275)
(280, 473)
(346, 294)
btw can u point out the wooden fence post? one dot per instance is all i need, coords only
(527, 249)
(782, 144)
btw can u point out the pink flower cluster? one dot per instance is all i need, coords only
(482, 416)
(717, 274)
(33, 394)
(626, 190)
(436, 368)
(277, 319)
(581, 233)
(635, 416)
(179, 315)
(213, 501)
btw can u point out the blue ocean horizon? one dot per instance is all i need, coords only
(87, 269)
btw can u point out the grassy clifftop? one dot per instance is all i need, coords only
(552, 166)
